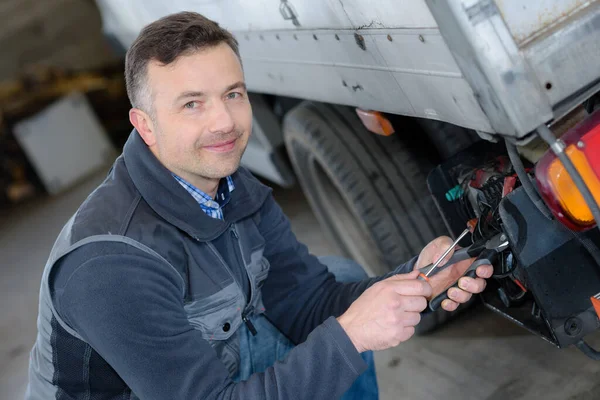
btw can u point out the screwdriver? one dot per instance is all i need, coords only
(428, 270)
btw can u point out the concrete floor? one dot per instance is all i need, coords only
(478, 356)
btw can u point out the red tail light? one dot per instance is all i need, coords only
(558, 189)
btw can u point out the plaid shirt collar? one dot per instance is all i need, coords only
(211, 207)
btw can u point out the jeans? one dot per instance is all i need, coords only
(259, 352)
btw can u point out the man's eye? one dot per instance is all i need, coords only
(234, 95)
(190, 105)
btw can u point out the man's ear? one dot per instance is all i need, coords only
(144, 125)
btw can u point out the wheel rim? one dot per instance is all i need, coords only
(349, 233)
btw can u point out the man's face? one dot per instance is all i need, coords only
(202, 116)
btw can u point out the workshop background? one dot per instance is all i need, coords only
(63, 120)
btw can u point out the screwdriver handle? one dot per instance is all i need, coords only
(488, 256)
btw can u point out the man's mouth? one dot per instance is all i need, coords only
(222, 147)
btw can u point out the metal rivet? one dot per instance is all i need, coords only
(421, 38)
(226, 327)
(360, 41)
(580, 144)
(389, 37)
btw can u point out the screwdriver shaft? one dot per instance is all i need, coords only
(454, 244)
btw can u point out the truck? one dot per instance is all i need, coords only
(406, 120)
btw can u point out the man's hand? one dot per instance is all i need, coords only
(442, 280)
(386, 313)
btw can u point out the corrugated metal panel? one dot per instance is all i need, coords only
(126, 19)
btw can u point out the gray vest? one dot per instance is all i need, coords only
(218, 317)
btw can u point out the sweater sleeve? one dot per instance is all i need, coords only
(129, 307)
(300, 293)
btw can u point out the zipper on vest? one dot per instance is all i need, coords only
(249, 323)
(241, 262)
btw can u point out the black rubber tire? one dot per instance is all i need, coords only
(368, 192)
(449, 139)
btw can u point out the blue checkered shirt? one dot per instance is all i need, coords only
(211, 207)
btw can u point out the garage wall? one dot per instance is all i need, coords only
(65, 33)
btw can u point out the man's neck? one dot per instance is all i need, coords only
(208, 186)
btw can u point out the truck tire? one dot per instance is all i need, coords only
(449, 139)
(368, 192)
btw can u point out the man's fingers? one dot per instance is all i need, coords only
(459, 296)
(449, 305)
(472, 285)
(412, 318)
(485, 271)
(408, 332)
(412, 303)
(412, 287)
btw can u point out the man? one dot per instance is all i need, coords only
(179, 276)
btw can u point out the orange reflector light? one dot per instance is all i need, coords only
(571, 200)
(375, 122)
(555, 184)
(596, 304)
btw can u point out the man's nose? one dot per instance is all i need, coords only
(222, 120)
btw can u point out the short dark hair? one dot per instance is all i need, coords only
(165, 40)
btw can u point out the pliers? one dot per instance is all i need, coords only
(486, 252)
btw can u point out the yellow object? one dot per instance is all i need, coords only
(565, 190)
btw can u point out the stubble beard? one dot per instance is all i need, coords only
(227, 163)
